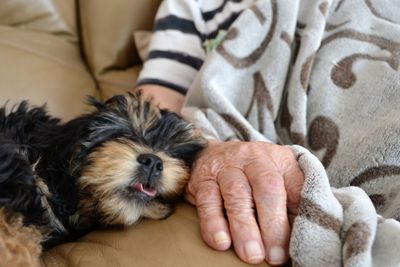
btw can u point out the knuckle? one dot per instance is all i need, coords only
(245, 149)
(207, 210)
(240, 209)
(239, 205)
(206, 168)
(241, 218)
(272, 210)
(270, 183)
(275, 183)
(277, 207)
(207, 192)
(276, 229)
(236, 188)
(241, 212)
(254, 148)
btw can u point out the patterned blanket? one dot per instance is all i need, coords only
(321, 76)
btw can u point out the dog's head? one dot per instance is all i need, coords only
(134, 156)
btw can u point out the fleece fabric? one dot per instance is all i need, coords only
(321, 76)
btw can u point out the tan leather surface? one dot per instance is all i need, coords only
(51, 16)
(118, 82)
(172, 242)
(43, 68)
(107, 32)
(66, 10)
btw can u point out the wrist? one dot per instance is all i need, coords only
(163, 97)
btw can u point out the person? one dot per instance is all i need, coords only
(257, 184)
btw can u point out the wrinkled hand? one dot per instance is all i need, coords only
(258, 185)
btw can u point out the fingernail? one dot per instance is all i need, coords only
(253, 251)
(221, 238)
(276, 255)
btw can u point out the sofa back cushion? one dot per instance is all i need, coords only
(51, 16)
(107, 36)
(107, 28)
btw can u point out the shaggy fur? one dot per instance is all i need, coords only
(19, 244)
(125, 160)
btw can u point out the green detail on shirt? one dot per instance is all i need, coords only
(211, 44)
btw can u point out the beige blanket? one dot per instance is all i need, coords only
(325, 75)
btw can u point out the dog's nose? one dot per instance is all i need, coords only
(151, 164)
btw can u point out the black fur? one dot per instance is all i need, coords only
(34, 144)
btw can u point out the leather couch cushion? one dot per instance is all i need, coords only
(43, 68)
(51, 16)
(115, 82)
(107, 28)
(172, 242)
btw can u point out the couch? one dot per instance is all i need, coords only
(59, 51)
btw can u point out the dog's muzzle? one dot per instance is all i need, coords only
(151, 164)
(152, 167)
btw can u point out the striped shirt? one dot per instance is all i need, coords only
(176, 50)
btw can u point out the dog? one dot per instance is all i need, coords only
(125, 160)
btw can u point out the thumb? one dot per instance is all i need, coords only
(189, 195)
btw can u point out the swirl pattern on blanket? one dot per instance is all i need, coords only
(323, 74)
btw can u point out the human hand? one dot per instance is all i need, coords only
(258, 184)
(163, 97)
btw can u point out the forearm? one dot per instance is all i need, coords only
(163, 96)
(175, 53)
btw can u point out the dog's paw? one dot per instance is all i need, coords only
(158, 211)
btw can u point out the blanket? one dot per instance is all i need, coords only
(321, 76)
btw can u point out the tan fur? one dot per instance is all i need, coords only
(19, 245)
(111, 170)
(113, 165)
(142, 121)
(156, 211)
(174, 177)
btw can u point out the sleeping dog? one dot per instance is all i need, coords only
(126, 160)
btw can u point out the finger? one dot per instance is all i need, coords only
(270, 198)
(188, 193)
(239, 206)
(294, 181)
(213, 225)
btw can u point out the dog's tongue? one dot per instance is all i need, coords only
(150, 192)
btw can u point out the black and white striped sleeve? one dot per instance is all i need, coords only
(176, 52)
